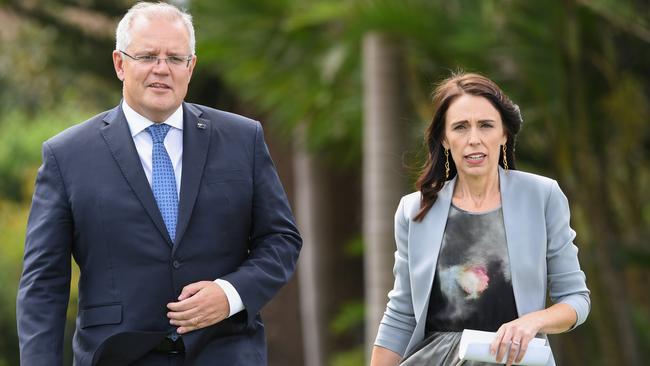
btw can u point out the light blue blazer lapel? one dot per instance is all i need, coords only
(425, 238)
(514, 232)
(523, 218)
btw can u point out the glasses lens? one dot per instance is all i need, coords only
(148, 59)
(175, 60)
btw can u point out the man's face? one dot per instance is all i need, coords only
(155, 90)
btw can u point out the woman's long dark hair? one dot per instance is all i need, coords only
(432, 177)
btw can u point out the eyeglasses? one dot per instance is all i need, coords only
(154, 60)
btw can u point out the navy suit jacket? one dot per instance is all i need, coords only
(93, 202)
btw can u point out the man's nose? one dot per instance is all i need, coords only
(161, 66)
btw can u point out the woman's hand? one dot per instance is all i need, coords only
(515, 336)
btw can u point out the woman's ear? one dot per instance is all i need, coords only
(444, 143)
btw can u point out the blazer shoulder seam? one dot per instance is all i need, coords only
(61, 181)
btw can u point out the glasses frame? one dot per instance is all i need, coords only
(141, 59)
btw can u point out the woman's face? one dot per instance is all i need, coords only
(474, 134)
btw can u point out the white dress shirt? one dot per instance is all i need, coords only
(174, 145)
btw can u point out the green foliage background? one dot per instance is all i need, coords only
(577, 68)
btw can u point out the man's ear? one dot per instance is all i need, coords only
(192, 65)
(118, 64)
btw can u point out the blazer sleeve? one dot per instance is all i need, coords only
(398, 323)
(566, 281)
(274, 239)
(44, 286)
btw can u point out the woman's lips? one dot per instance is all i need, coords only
(475, 159)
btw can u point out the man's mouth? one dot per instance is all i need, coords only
(159, 86)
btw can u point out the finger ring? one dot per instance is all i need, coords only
(515, 343)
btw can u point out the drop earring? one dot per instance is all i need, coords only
(446, 164)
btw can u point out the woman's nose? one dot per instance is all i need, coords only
(473, 137)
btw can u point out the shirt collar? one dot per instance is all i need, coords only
(138, 123)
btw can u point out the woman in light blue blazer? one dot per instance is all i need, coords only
(479, 245)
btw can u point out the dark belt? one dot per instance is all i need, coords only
(172, 345)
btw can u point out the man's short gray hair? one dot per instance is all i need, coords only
(149, 11)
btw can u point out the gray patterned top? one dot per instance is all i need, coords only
(472, 288)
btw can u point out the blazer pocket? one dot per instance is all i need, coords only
(100, 315)
(226, 176)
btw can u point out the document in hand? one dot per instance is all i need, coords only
(475, 346)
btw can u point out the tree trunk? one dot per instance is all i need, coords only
(309, 216)
(327, 212)
(384, 136)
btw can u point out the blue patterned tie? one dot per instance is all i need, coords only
(163, 180)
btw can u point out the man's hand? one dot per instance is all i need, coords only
(199, 305)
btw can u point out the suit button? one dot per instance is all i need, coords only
(176, 264)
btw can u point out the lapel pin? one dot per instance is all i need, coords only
(201, 126)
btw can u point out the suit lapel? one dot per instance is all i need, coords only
(425, 241)
(515, 232)
(118, 137)
(196, 141)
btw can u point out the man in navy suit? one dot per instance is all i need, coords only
(173, 211)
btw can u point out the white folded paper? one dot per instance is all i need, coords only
(475, 346)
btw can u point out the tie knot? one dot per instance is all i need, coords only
(158, 131)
